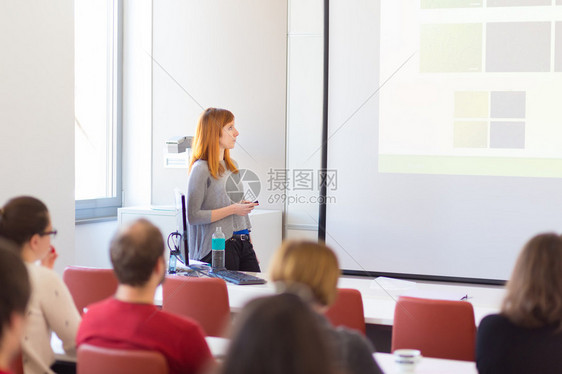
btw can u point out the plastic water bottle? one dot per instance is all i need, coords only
(172, 264)
(217, 250)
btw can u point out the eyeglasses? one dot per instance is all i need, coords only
(52, 232)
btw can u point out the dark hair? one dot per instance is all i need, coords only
(135, 251)
(278, 335)
(15, 287)
(22, 217)
(534, 291)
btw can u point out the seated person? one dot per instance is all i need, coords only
(278, 335)
(526, 337)
(25, 220)
(14, 293)
(316, 266)
(130, 320)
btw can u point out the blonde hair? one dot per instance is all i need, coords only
(205, 144)
(308, 263)
(534, 291)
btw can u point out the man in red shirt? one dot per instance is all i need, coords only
(130, 320)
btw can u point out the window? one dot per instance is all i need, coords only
(98, 88)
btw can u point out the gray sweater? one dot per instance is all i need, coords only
(353, 352)
(204, 194)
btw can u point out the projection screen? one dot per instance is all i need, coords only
(445, 134)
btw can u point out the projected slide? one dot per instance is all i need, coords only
(471, 87)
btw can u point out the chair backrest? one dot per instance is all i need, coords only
(95, 360)
(204, 300)
(438, 328)
(347, 310)
(89, 285)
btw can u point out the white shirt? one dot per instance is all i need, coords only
(51, 308)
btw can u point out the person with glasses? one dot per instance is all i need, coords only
(25, 221)
(215, 197)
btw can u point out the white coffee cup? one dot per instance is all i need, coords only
(407, 359)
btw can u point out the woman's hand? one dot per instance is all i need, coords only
(240, 209)
(49, 260)
(243, 208)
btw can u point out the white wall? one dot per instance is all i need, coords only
(229, 54)
(137, 102)
(240, 65)
(245, 71)
(37, 110)
(92, 243)
(304, 113)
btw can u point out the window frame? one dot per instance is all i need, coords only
(104, 208)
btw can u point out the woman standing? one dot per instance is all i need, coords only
(526, 337)
(25, 220)
(208, 204)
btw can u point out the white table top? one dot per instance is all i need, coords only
(427, 365)
(379, 296)
(60, 355)
(219, 346)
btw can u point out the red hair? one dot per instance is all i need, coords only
(205, 144)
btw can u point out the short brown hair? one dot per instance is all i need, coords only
(22, 217)
(534, 291)
(312, 264)
(16, 287)
(134, 251)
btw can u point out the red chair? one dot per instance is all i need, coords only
(89, 285)
(96, 360)
(438, 328)
(204, 300)
(347, 310)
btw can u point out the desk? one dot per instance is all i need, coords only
(378, 302)
(60, 355)
(219, 347)
(427, 365)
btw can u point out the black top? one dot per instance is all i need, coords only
(503, 347)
